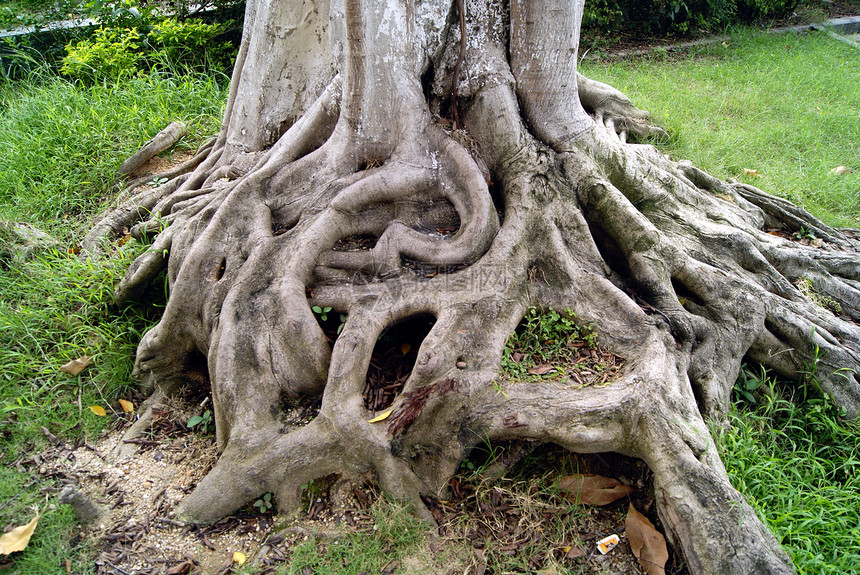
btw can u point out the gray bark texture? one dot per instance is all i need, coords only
(346, 120)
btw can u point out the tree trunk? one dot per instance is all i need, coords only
(373, 125)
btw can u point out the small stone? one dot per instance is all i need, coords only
(84, 508)
(461, 365)
(43, 470)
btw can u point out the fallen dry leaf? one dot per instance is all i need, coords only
(404, 349)
(840, 170)
(98, 410)
(574, 551)
(18, 538)
(181, 568)
(593, 489)
(648, 544)
(381, 417)
(752, 173)
(76, 366)
(126, 405)
(541, 369)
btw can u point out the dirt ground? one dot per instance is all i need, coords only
(483, 520)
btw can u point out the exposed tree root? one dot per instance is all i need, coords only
(545, 206)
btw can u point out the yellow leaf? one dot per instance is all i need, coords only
(126, 405)
(98, 410)
(381, 417)
(239, 558)
(18, 538)
(405, 348)
(76, 366)
(752, 173)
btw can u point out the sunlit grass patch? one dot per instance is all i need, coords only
(784, 105)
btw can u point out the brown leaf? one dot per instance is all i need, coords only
(390, 567)
(181, 568)
(573, 552)
(593, 489)
(18, 538)
(126, 405)
(648, 544)
(76, 366)
(541, 369)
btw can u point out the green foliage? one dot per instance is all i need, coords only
(684, 16)
(122, 13)
(113, 53)
(204, 421)
(798, 464)
(192, 43)
(110, 53)
(321, 311)
(38, 13)
(264, 504)
(62, 144)
(17, 58)
(543, 337)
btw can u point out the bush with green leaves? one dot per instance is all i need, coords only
(116, 52)
(110, 53)
(191, 43)
(683, 16)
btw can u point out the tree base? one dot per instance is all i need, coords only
(468, 227)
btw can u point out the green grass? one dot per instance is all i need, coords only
(61, 146)
(787, 105)
(798, 465)
(395, 535)
(63, 142)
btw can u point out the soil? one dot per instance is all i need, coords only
(484, 520)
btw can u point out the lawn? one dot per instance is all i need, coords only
(784, 105)
(787, 106)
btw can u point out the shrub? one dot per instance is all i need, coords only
(190, 43)
(109, 53)
(116, 52)
(684, 16)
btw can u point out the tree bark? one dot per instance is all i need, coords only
(339, 126)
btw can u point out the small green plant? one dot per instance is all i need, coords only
(321, 311)
(264, 503)
(204, 421)
(804, 234)
(747, 383)
(544, 344)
